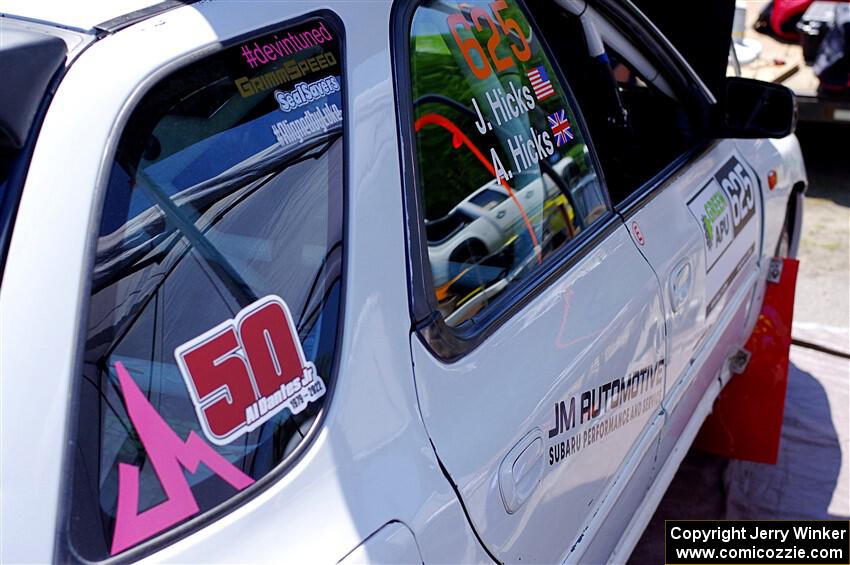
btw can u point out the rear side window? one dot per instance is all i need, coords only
(502, 162)
(215, 302)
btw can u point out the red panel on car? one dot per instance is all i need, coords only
(747, 419)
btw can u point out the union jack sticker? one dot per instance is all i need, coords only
(560, 126)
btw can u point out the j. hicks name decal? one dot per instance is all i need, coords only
(246, 370)
(504, 107)
(589, 417)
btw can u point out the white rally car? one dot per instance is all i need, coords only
(222, 333)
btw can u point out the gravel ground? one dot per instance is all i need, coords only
(812, 476)
(823, 286)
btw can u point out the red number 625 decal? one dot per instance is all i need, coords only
(245, 370)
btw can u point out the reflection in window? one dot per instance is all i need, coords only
(504, 170)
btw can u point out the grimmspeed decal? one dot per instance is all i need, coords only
(594, 414)
(245, 370)
(725, 209)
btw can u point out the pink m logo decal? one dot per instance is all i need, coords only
(169, 456)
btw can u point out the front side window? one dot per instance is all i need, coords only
(215, 302)
(659, 126)
(641, 117)
(502, 162)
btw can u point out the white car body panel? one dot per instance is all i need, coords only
(394, 543)
(675, 241)
(371, 475)
(477, 408)
(784, 157)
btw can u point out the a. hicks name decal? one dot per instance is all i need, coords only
(725, 209)
(245, 370)
(589, 417)
(525, 150)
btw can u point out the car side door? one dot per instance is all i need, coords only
(695, 211)
(539, 367)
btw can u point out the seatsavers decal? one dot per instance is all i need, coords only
(725, 209)
(593, 415)
(245, 370)
(170, 456)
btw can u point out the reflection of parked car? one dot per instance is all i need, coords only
(477, 227)
(465, 246)
(229, 333)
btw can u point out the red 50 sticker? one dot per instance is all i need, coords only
(245, 370)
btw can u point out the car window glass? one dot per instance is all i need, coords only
(215, 295)
(659, 128)
(503, 165)
(640, 119)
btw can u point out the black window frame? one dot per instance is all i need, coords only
(448, 343)
(64, 550)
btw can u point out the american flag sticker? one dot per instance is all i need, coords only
(561, 127)
(540, 83)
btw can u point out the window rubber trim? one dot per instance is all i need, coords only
(126, 20)
(450, 344)
(64, 551)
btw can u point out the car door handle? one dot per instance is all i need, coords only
(521, 471)
(680, 283)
